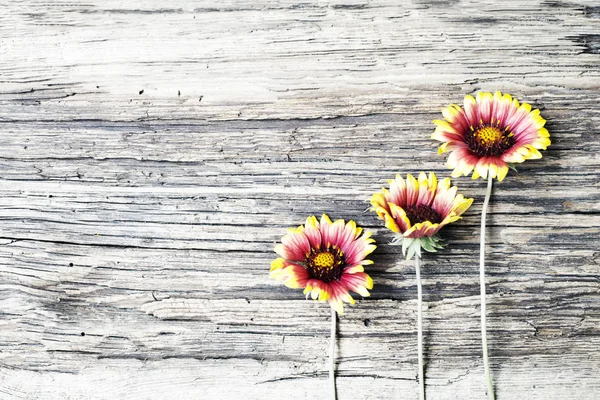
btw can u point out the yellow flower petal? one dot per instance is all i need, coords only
(354, 269)
(470, 100)
(338, 306)
(362, 290)
(326, 220)
(276, 264)
(450, 113)
(482, 169)
(502, 172)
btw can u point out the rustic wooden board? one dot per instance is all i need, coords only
(152, 153)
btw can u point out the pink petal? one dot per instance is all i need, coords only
(397, 193)
(471, 113)
(502, 109)
(338, 294)
(289, 254)
(519, 121)
(447, 137)
(358, 283)
(443, 200)
(295, 276)
(325, 228)
(458, 154)
(358, 250)
(461, 121)
(454, 145)
(412, 190)
(484, 107)
(296, 244)
(347, 236)
(312, 232)
(336, 232)
(426, 193)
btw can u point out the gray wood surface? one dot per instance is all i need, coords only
(152, 153)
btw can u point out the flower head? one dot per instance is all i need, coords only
(325, 259)
(490, 133)
(418, 209)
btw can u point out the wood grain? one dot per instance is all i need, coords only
(152, 153)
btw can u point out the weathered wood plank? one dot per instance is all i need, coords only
(152, 155)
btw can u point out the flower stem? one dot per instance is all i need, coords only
(486, 364)
(332, 355)
(420, 329)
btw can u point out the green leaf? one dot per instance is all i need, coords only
(428, 245)
(412, 247)
(439, 243)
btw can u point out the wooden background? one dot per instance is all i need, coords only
(152, 153)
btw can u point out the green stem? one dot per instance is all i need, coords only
(486, 364)
(332, 355)
(420, 329)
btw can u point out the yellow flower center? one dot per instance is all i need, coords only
(488, 140)
(325, 263)
(324, 260)
(488, 135)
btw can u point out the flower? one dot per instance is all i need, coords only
(326, 259)
(418, 209)
(490, 133)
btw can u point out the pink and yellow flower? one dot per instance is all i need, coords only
(491, 132)
(419, 208)
(326, 259)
